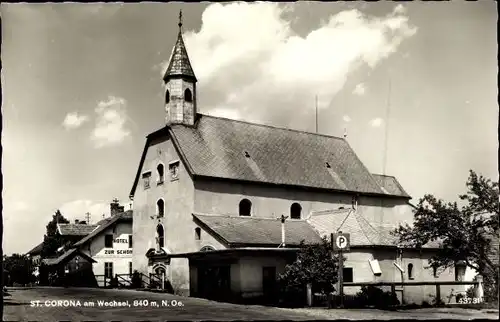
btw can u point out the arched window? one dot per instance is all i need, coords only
(160, 172)
(167, 97)
(160, 208)
(245, 207)
(197, 233)
(161, 236)
(188, 96)
(160, 270)
(410, 271)
(295, 211)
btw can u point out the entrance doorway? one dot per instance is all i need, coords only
(269, 284)
(214, 282)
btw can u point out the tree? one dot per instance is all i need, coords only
(464, 233)
(20, 269)
(53, 240)
(315, 265)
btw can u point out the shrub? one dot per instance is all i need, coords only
(81, 278)
(374, 296)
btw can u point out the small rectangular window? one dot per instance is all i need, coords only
(129, 241)
(174, 170)
(348, 275)
(108, 270)
(130, 268)
(146, 178)
(108, 241)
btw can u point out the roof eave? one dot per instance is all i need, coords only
(368, 194)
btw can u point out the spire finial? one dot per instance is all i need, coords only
(180, 18)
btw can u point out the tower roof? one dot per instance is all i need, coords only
(179, 64)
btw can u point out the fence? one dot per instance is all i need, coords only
(436, 284)
(153, 281)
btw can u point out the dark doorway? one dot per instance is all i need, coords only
(269, 284)
(214, 282)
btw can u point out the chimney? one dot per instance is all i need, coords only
(115, 207)
(77, 221)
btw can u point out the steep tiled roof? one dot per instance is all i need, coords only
(66, 257)
(179, 64)
(257, 231)
(75, 229)
(36, 250)
(236, 150)
(390, 185)
(362, 233)
(231, 149)
(124, 216)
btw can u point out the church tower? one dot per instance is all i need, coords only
(180, 85)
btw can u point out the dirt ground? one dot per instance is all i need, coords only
(78, 304)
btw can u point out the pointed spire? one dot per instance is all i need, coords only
(179, 64)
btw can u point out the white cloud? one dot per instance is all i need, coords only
(346, 118)
(73, 120)
(273, 73)
(360, 89)
(110, 125)
(376, 122)
(78, 208)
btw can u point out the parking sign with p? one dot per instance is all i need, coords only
(341, 242)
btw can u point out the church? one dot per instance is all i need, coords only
(209, 195)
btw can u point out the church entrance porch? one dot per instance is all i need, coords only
(245, 275)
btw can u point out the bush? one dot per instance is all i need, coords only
(291, 295)
(374, 296)
(81, 278)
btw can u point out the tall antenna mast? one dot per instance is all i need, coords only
(316, 113)
(387, 124)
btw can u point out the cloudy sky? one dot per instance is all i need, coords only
(82, 86)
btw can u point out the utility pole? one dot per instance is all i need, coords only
(316, 113)
(387, 125)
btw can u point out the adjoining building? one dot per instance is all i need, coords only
(36, 254)
(105, 248)
(110, 246)
(209, 193)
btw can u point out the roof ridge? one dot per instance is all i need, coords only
(273, 127)
(242, 217)
(376, 230)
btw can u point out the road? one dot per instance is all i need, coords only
(19, 307)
